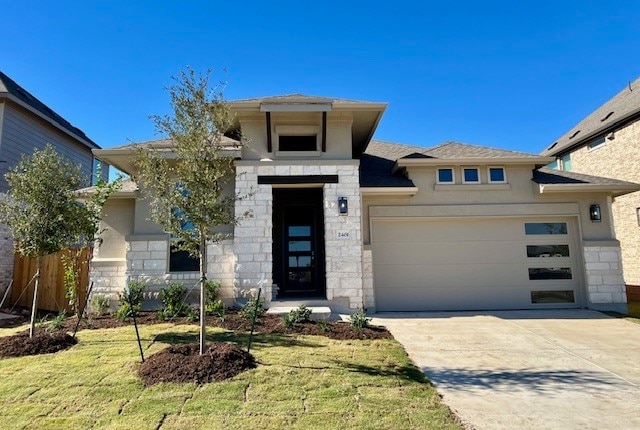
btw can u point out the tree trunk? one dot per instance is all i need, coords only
(34, 307)
(203, 298)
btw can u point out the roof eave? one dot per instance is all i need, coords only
(570, 146)
(426, 162)
(389, 191)
(49, 120)
(614, 190)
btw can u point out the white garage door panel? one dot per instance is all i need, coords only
(463, 264)
(446, 252)
(446, 299)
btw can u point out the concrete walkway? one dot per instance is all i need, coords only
(561, 369)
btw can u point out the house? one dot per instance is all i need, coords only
(341, 219)
(27, 124)
(607, 143)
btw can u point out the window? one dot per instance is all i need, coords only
(97, 171)
(547, 273)
(550, 251)
(565, 163)
(470, 175)
(554, 165)
(181, 261)
(297, 143)
(562, 296)
(446, 176)
(596, 144)
(496, 175)
(533, 228)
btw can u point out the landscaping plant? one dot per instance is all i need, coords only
(130, 300)
(99, 304)
(214, 305)
(301, 314)
(186, 190)
(173, 298)
(359, 319)
(253, 309)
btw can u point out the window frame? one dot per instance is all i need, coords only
(464, 179)
(453, 176)
(596, 144)
(504, 175)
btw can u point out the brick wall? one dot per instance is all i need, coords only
(619, 159)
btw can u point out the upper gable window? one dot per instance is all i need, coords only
(496, 175)
(446, 176)
(297, 143)
(297, 138)
(470, 175)
(596, 144)
(565, 163)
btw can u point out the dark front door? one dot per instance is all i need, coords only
(298, 242)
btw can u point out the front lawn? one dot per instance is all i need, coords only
(301, 382)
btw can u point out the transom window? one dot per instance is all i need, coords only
(446, 176)
(496, 175)
(470, 175)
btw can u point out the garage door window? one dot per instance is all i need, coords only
(535, 228)
(546, 273)
(543, 251)
(562, 296)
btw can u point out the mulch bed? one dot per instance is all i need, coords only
(183, 363)
(42, 343)
(234, 321)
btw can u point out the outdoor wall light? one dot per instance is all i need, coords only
(595, 213)
(343, 206)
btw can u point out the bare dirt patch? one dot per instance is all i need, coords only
(183, 363)
(42, 343)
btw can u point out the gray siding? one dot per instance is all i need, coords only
(22, 133)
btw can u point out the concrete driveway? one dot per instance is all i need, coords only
(564, 369)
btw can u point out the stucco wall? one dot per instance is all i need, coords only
(619, 158)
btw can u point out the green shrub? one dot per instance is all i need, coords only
(99, 304)
(296, 316)
(359, 319)
(55, 324)
(324, 325)
(192, 314)
(173, 297)
(130, 300)
(213, 304)
(254, 308)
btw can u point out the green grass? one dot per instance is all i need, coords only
(302, 382)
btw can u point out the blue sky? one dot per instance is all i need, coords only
(508, 74)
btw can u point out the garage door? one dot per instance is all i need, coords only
(506, 263)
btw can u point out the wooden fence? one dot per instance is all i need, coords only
(51, 293)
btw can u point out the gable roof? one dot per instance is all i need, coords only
(457, 150)
(623, 107)
(10, 90)
(377, 162)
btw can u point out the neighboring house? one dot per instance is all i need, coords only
(607, 143)
(347, 221)
(27, 124)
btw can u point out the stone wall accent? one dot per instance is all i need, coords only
(6, 259)
(253, 236)
(221, 261)
(619, 158)
(367, 279)
(343, 256)
(108, 277)
(605, 283)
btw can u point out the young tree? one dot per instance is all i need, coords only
(42, 212)
(187, 184)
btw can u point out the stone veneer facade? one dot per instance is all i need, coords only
(619, 158)
(245, 263)
(605, 283)
(253, 236)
